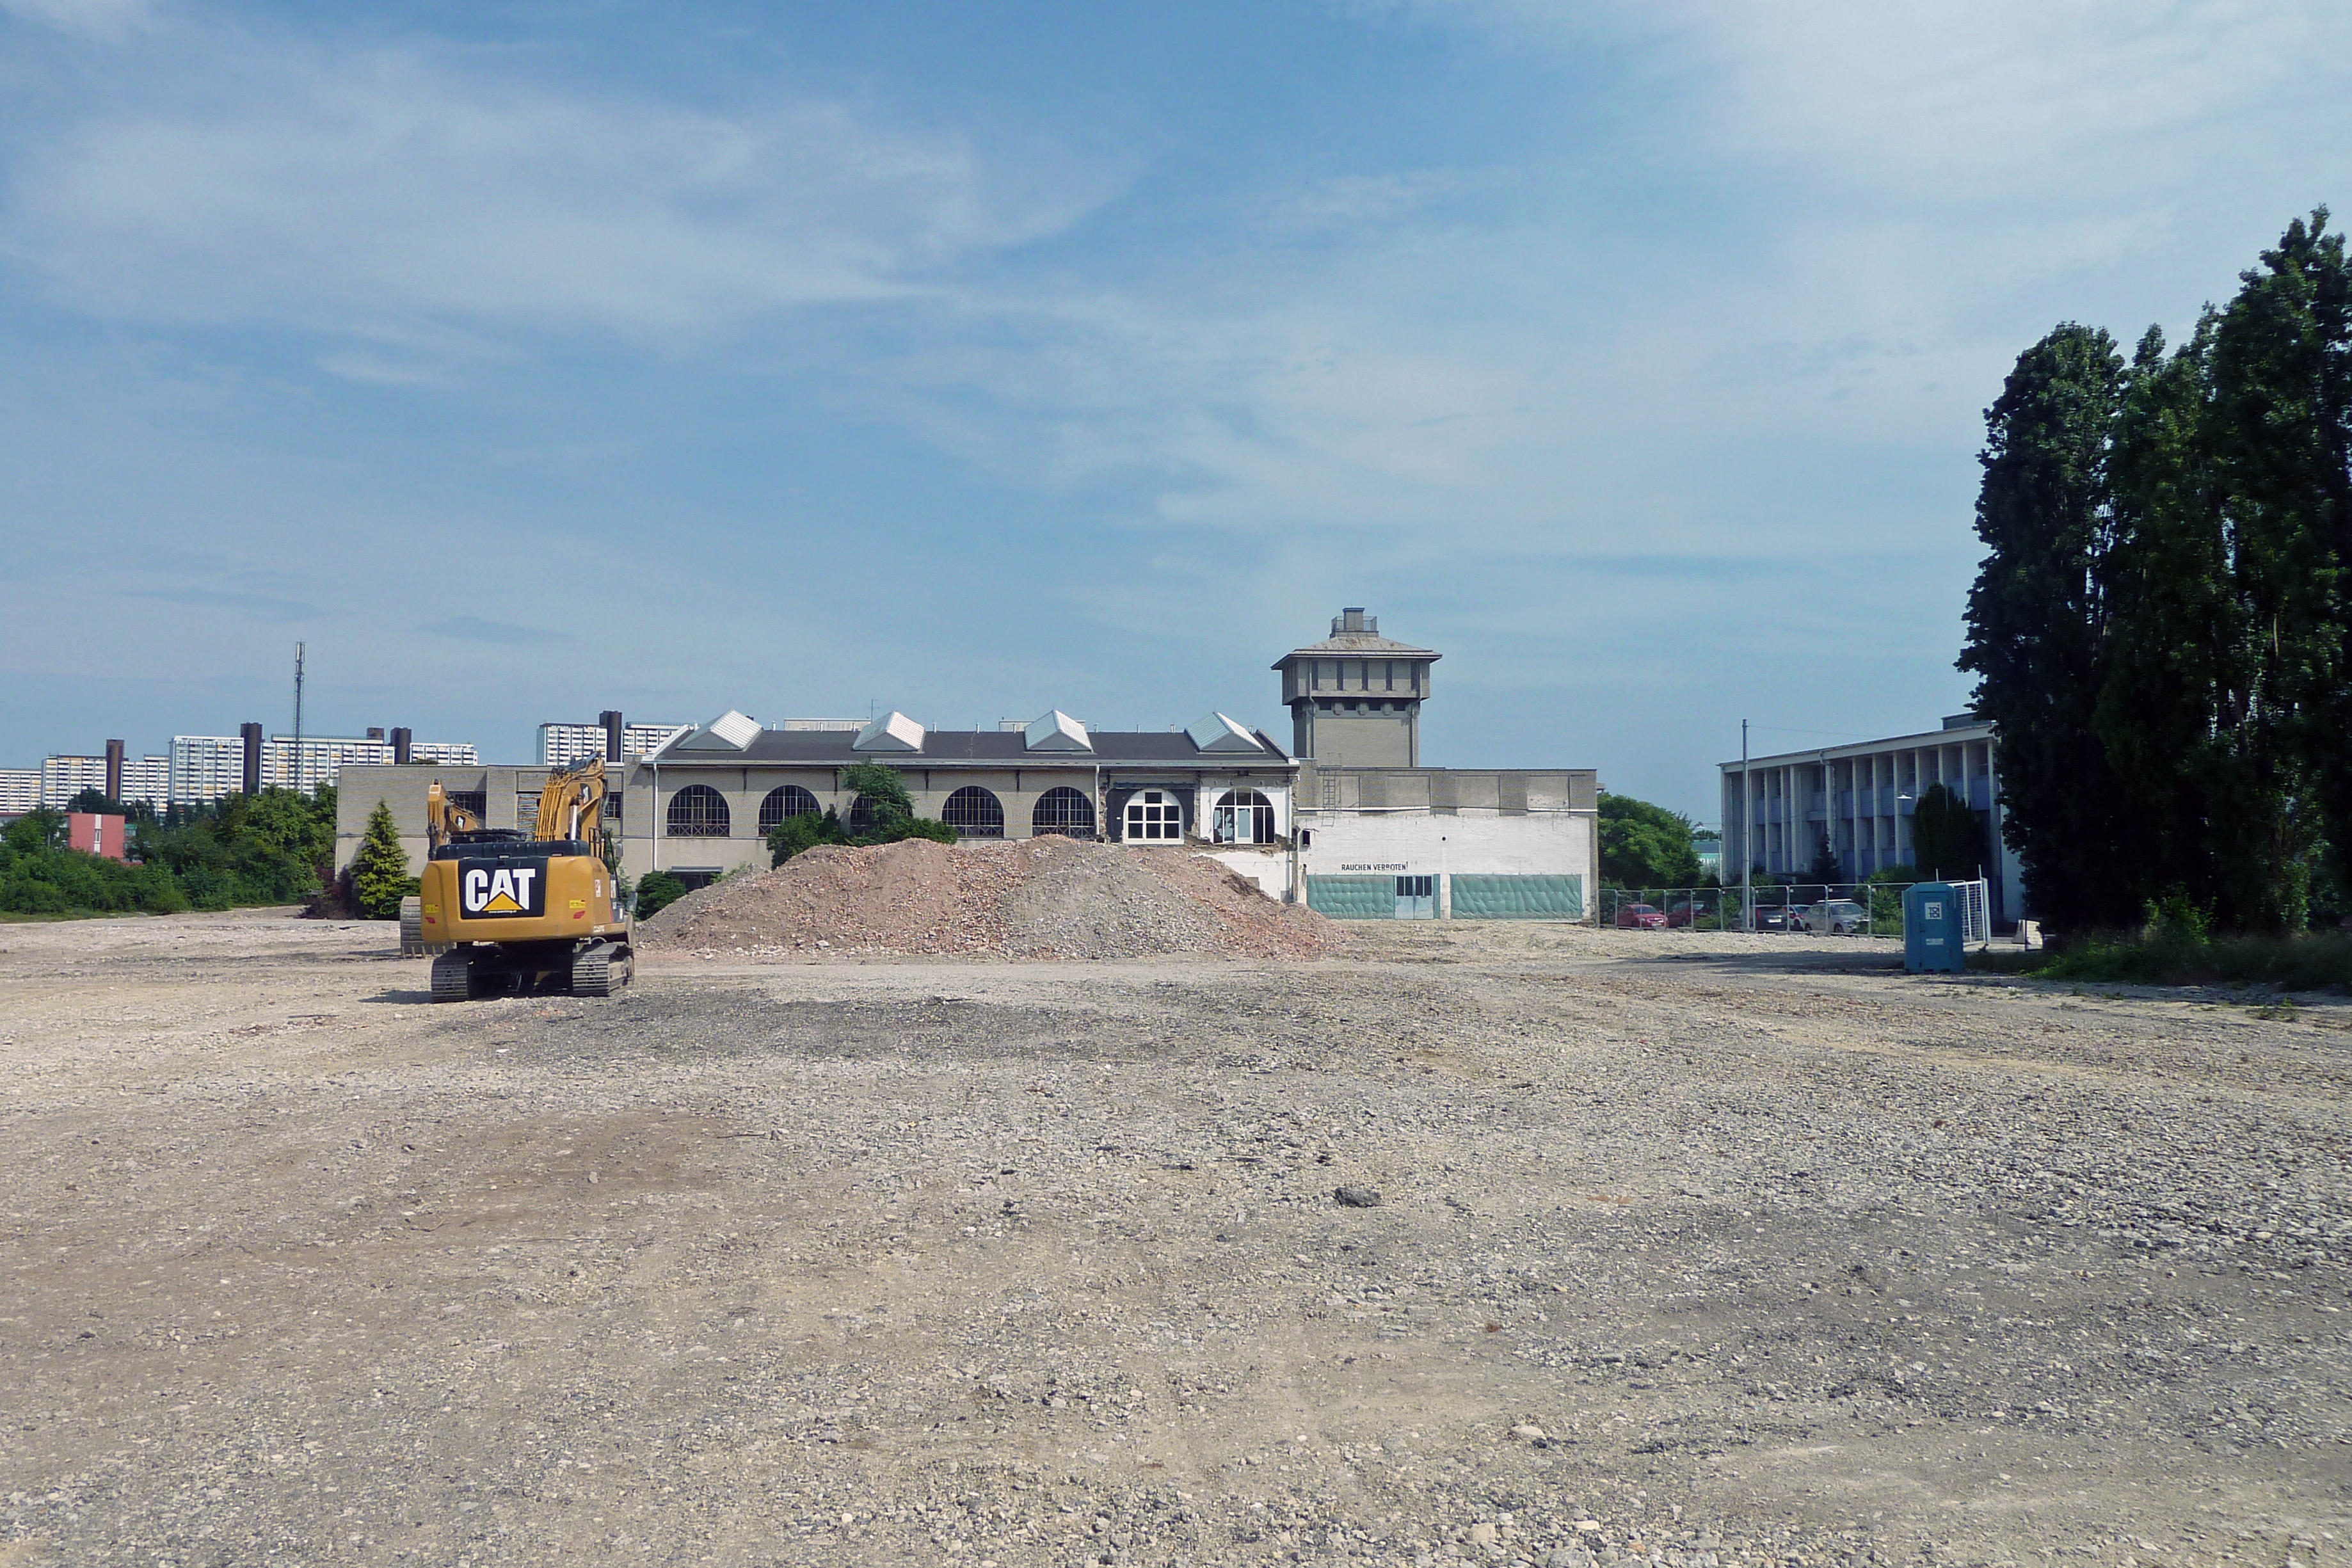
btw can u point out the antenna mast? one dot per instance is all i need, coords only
(299, 648)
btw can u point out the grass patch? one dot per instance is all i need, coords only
(2316, 961)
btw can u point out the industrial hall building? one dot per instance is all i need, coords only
(1347, 819)
(719, 789)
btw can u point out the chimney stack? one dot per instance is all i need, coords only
(401, 740)
(250, 734)
(114, 770)
(610, 719)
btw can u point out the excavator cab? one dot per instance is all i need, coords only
(520, 912)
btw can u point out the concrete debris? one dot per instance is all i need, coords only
(1050, 898)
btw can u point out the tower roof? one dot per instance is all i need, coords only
(1352, 631)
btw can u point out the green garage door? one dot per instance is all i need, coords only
(1518, 897)
(1353, 898)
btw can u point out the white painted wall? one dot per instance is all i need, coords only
(1269, 868)
(1421, 844)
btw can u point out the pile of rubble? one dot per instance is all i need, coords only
(1040, 898)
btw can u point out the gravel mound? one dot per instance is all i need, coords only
(1038, 898)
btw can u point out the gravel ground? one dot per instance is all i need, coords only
(1688, 1249)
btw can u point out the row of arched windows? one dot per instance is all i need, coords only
(1152, 816)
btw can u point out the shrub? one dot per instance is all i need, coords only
(656, 890)
(67, 881)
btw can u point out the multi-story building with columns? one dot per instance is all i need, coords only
(1858, 799)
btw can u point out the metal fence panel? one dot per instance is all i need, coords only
(1352, 898)
(1486, 898)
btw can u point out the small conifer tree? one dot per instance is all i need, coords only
(380, 878)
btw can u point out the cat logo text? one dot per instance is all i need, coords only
(490, 891)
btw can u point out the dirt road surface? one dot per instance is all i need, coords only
(1695, 1251)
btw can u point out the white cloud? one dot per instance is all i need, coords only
(1357, 201)
(105, 19)
(371, 193)
(1940, 99)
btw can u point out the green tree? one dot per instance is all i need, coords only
(380, 878)
(892, 808)
(39, 828)
(2280, 433)
(1645, 846)
(1947, 839)
(656, 890)
(2037, 620)
(797, 834)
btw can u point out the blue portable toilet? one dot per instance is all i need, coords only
(1933, 928)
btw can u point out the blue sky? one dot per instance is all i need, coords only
(531, 360)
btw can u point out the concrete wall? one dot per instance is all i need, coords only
(1443, 822)
(1269, 868)
(1419, 843)
(402, 788)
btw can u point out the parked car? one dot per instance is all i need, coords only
(1641, 917)
(1838, 916)
(1684, 913)
(1770, 917)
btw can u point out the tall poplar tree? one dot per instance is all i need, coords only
(2176, 677)
(2037, 621)
(2280, 431)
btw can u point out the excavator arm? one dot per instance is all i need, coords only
(572, 806)
(444, 820)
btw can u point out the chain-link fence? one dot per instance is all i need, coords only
(1819, 909)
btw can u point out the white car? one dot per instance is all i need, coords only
(1836, 917)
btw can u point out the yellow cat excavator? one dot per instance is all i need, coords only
(515, 912)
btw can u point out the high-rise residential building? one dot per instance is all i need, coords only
(144, 779)
(64, 777)
(20, 791)
(207, 767)
(147, 779)
(561, 745)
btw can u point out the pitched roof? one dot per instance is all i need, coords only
(994, 747)
(1356, 642)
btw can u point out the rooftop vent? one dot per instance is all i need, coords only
(1055, 731)
(894, 732)
(730, 731)
(1217, 732)
(1353, 619)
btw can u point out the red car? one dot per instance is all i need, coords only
(1641, 917)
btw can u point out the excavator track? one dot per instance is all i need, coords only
(600, 968)
(453, 976)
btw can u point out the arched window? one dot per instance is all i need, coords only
(861, 816)
(698, 811)
(1154, 817)
(1243, 816)
(1064, 810)
(974, 812)
(783, 803)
